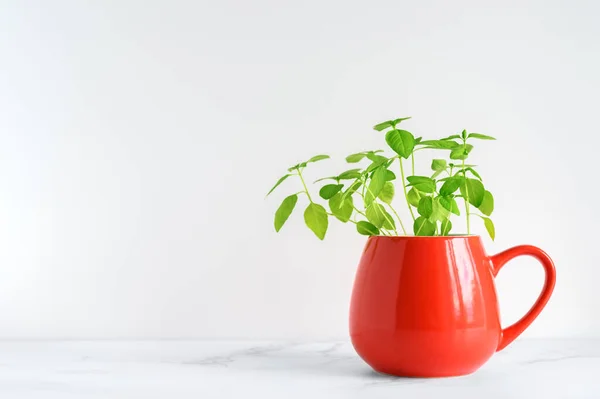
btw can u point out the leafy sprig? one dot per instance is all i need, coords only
(364, 195)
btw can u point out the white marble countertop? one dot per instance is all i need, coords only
(221, 369)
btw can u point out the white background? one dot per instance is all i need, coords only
(138, 140)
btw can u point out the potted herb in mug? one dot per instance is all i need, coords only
(424, 302)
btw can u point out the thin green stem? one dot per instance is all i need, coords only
(412, 163)
(364, 187)
(398, 217)
(391, 222)
(304, 184)
(467, 201)
(359, 211)
(404, 188)
(419, 230)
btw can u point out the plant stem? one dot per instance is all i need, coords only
(418, 231)
(466, 201)
(350, 220)
(362, 213)
(398, 217)
(412, 163)
(304, 184)
(404, 188)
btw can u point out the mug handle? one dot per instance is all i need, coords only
(510, 333)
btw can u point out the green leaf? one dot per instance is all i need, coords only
(377, 215)
(376, 158)
(449, 204)
(382, 126)
(413, 197)
(366, 229)
(376, 184)
(297, 166)
(318, 158)
(463, 134)
(461, 152)
(438, 165)
(352, 189)
(454, 136)
(326, 178)
(341, 208)
(401, 141)
(422, 183)
(473, 172)
(375, 164)
(418, 140)
(451, 185)
(389, 175)
(349, 174)
(354, 158)
(489, 226)
(439, 144)
(445, 227)
(461, 166)
(389, 223)
(423, 227)
(278, 183)
(480, 136)
(396, 121)
(387, 193)
(315, 217)
(329, 190)
(439, 211)
(425, 207)
(487, 205)
(473, 190)
(284, 211)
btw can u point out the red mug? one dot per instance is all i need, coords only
(427, 306)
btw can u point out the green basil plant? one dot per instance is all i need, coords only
(363, 195)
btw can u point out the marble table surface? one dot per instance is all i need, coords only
(272, 369)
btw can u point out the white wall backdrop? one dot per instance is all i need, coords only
(138, 139)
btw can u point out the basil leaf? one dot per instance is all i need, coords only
(329, 190)
(425, 207)
(387, 193)
(401, 141)
(341, 208)
(423, 227)
(366, 228)
(487, 205)
(278, 183)
(473, 190)
(315, 217)
(422, 183)
(451, 185)
(480, 136)
(284, 211)
(438, 165)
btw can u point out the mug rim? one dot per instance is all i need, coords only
(429, 237)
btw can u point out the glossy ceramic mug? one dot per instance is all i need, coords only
(427, 306)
